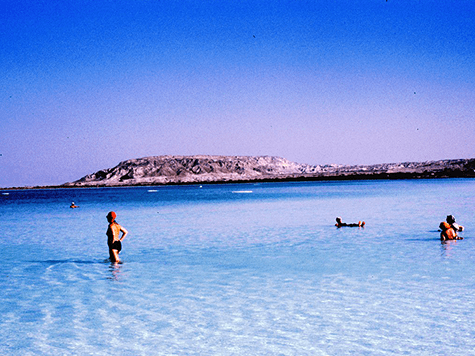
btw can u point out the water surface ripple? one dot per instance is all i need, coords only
(207, 271)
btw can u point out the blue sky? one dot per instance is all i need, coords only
(87, 84)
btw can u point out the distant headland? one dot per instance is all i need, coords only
(201, 169)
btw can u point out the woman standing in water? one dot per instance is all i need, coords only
(448, 232)
(113, 237)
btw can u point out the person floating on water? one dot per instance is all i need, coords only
(73, 206)
(451, 221)
(448, 232)
(340, 224)
(114, 240)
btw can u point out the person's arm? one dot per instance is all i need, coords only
(124, 233)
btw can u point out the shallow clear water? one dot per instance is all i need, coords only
(244, 269)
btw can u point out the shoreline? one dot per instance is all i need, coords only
(200, 169)
(342, 177)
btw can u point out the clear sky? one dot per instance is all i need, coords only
(87, 84)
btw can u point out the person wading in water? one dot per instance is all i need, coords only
(114, 240)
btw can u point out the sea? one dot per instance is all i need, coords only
(240, 269)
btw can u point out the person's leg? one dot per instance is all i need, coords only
(114, 255)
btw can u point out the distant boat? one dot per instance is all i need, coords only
(152, 190)
(242, 191)
(5, 193)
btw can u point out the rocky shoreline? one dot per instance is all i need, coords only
(161, 170)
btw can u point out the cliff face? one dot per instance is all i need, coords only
(191, 169)
(203, 169)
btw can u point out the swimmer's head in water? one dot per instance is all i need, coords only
(450, 219)
(444, 226)
(111, 216)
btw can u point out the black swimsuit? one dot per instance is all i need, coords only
(116, 245)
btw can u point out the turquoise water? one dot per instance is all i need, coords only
(244, 269)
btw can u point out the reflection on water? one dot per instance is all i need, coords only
(115, 271)
(448, 248)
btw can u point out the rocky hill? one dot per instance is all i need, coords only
(208, 169)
